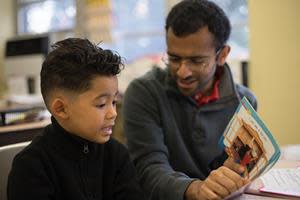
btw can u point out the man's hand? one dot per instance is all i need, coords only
(219, 184)
(233, 165)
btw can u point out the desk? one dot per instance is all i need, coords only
(22, 132)
(17, 108)
(254, 197)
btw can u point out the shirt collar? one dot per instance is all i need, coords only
(69, 144)
(202, 99)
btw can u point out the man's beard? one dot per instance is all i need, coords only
(201, 86)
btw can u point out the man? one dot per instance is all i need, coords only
(174, 117)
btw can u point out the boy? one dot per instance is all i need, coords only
(74, 158)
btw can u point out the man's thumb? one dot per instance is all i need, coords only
(238, 168)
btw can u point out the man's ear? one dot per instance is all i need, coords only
(59, 107)
(223, 55)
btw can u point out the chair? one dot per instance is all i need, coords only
(7, 154)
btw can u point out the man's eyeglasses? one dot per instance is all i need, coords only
(194, 63)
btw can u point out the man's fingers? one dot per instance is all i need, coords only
(229, 185)
(234, 177)
(208, 193)
(227, 178)
(219, 184)
(217, 188)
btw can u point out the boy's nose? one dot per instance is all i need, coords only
(112, 113)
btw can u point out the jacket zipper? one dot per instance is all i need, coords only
(86, 149)
(84, 169)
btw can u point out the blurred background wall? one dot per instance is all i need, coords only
(275, 65)
(7, 21)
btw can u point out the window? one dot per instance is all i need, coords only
(237, 11)
(40, 16)
(138, 27)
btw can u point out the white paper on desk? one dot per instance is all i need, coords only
(282, 181)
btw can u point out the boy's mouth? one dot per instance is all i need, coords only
(107, 130)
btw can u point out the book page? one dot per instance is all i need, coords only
(249, 142)
(282, 181)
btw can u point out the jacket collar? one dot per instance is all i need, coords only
(68, 144)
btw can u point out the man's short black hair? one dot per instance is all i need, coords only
(188, 16)
(74, 63)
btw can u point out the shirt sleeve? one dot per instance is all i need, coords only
(143, 129)
(28, 179)
(126, 185)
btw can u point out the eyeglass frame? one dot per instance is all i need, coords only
(191, 62)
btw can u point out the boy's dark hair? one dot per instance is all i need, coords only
(189, 16)
(73, 64)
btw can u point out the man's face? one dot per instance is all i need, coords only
(92, 114)
(192, 60)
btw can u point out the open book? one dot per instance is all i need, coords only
(282, 181)
(248, 140)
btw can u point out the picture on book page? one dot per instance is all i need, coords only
(248, 141)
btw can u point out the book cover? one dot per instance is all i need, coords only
(248, 140)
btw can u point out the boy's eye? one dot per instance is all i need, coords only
(100, 105)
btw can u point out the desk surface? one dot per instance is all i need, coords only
(11, 108)
(25, 126)
(12, 134)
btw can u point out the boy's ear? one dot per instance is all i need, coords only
(59, 108)
(223, 55)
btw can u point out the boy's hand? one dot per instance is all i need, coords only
(219, 184)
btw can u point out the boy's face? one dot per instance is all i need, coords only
(91, 115)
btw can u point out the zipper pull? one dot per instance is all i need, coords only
(86, 149)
